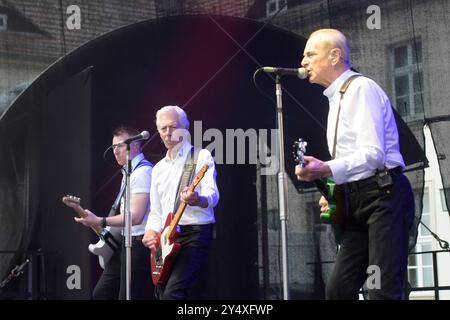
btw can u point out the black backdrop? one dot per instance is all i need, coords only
(66, 117)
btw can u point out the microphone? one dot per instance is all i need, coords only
(300, 72)
(144, 135)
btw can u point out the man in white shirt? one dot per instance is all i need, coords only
(112, 284)
(197, 220)
(363, 141)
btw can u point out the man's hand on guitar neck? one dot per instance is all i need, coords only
(314, 169)
(90, 220)
(192, 198)
(151, 239)
(323, 203)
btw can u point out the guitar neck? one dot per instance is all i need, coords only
(177, 216)
(180, 210)
(176, 219)
(322, 186)
(82, 214)
(300, 149)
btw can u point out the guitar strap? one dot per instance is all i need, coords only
(340, 191)
(113, 210)
(187, 176)
(342, 91)
(105, 235)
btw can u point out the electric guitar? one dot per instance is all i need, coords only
(167, 249)
(110, 237)
(332, 192)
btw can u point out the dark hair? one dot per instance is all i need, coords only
(128, 130)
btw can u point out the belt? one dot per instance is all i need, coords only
(194, 227)
(137, 238)
(371, 182)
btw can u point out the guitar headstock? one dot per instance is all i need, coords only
(299, 151)
(199, 176)
(71, 201)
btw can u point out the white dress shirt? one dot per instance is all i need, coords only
(367, 136)
(165, 179)
(140, 180)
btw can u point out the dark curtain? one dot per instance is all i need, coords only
(48, 134)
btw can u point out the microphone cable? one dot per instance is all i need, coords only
(259, 88)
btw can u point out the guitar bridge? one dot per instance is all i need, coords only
(157, 270)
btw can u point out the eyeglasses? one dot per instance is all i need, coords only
(119, 145)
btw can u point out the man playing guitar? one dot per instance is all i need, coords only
(111, 284)
(366, 161)
(168, 192)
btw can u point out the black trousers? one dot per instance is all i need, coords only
(112, 283)
(195, 243)
(374, 243)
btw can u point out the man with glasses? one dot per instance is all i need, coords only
(112, 284)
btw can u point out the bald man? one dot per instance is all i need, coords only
(366, 162)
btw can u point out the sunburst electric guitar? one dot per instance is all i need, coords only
(167, 248)
(110, 237)
(332, 192)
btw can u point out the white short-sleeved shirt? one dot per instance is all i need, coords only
(140, 182)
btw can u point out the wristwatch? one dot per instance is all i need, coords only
(104, 222)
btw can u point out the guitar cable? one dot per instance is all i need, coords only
(442, 243)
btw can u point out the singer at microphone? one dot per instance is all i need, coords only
(111, 284)
(299, 72)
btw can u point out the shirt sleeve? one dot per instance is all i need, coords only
(364, 114)
(141, 180)
(208, 187)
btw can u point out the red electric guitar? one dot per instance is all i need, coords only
(167, 249)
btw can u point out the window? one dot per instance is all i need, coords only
(408, 80)
(426, 216)
(420, 267)
(3, 22)
(272, 6)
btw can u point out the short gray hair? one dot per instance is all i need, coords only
(336, 39)
(182, 117)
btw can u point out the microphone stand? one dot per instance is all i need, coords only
(282, 188)
(127, 223)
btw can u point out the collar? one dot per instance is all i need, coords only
(134, 162)
(336, 84)
(182, 151)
